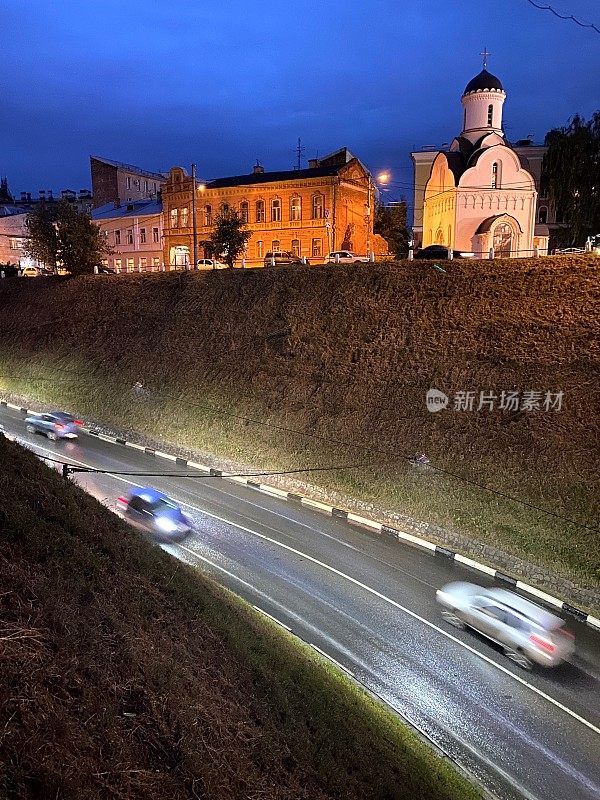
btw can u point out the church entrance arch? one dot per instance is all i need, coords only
(503, 239)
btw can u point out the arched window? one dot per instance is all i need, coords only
(295, 209)
(224, 210)
(494, 175)
(543, 215)
(174, 218)
(185, 212)
(275, 210)
(490, 115)
(208, 215)
(244, 213)
(317, 206)
(260, 210)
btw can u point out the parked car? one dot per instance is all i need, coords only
(527, 633)
(30, 272)
(281, 258)
(9, 270)
(346, 257)
(152, 511)
(104, 270)
(438, 251)
(55, 425)
(210, 263)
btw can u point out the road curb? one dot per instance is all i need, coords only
(352, 518)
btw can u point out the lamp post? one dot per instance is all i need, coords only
(194, 234)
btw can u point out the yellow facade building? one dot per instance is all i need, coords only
(309, 212)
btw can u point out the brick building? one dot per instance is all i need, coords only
(115, 182)
(309, 212)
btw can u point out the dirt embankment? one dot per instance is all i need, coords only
(234, 363)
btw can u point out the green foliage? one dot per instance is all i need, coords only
(61, 234)
(571, 177)
(390, 222)
(42, 242)
(229, 237)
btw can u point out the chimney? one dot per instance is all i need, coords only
(258, 169)
(313, 163)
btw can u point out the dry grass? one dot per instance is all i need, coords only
(345, 356)
(123, 674)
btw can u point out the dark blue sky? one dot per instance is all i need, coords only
(225, 83)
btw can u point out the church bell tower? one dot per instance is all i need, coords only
(482, 102)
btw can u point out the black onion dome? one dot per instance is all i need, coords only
(485, 80)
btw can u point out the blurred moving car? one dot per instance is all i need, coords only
(55, 425)
(437, 251)
(30, 272)
(210, 263)
(154, 512)
(281, 258)
(346, 257)
(527, 633)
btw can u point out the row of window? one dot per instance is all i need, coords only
(316, 249)
(137, 184)
(129, 236)
(130, 265)
(179, 217)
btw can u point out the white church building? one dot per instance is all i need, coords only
(478, 195)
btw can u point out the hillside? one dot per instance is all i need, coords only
(125, 674)
(237, 363)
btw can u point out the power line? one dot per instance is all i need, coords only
(389, 453)
(564, 16)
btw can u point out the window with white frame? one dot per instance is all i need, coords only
(495, 175)
(260, 210)
(143, 263)
(129, 235)
(174, 218)
(185, 213)
(128, 182)
(224, 210)
(130, 265)
(275, 246)
(156, 262)
(118, 263)
(142, 235)
(317, 248)
(208, 215)
(244, 213)
(295, 209)
(155, 234)
(296, 247)
(275, 210)
(317, 206)
(145, 186)
(260, 249)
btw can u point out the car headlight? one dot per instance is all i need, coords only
(166, 525)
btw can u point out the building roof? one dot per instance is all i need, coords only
(13, 211)
(485, 80)
(156, 176)
(273, 177)
(134, 208)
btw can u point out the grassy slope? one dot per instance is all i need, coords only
(124, 674)
(346, 355)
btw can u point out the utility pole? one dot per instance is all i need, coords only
(195, 234)
(368, 216)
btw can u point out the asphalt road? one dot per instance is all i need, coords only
(370, 604)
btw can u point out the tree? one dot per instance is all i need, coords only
(64, 235)
(571, 177)
(229, 237)
(390, 222)
(42, 241)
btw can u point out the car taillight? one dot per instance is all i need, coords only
(545, 644)
(77, 422)
(123, 501)
(59, 426)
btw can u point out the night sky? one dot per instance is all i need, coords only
(226, 83)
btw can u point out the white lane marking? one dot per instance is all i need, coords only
(369, 523)
(307, 501)
(270, 616)
(168, 456)
(375, 593)
(474, 564)
(135, 446)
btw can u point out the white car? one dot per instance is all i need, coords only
(346, 257)
(526, 632)
(210, 263)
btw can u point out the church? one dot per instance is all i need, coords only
(478, 195)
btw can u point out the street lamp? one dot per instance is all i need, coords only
(194, 233)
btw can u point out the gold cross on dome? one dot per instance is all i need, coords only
(485, 55)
